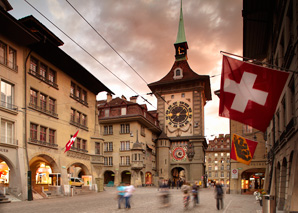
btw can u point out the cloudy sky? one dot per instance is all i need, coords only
(144, 32)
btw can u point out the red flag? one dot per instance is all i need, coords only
(70, 142)
(249, 93)
(242, 149)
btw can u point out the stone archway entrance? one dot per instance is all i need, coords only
(79, 170)
(178, 173)
(109, 177)
(252, 180)
(42, 169)
(126, 177)
(8, 177)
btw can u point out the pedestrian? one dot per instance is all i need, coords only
(169, 183)
(219, 196)
(186, 189)
(173, 184)
(129, 189)
(195, 193)
(178, 183)
(120, 195)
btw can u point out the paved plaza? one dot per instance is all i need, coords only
(144, 200)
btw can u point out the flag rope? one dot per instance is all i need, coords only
(259, 62)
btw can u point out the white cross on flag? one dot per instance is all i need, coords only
(249, 93)
(70, 142)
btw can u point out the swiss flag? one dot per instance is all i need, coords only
(70, 142)
(249, 93)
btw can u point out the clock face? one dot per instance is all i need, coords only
(178, 114)
(179, 153)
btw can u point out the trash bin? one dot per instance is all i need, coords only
(268, 204)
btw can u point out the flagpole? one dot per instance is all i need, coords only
(256, 61)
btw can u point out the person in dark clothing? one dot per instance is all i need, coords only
(178, 183)
(219, 196)
(195, 195)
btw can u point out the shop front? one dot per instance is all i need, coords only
(252, 180)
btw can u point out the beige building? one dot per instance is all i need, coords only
(181, 96)
(274, 28)
(218, 160)
(129, 131)
(46, 97)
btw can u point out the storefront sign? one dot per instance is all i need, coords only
(234, 174)
(3, 150)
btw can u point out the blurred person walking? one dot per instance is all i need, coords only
(219, 196)
(121, 192)
(129, 189)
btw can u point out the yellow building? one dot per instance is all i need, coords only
(47, 97)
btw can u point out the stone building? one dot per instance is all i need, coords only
(218, 160)
(46, 96)
(270, 35)
(129, 131)
(181, 96)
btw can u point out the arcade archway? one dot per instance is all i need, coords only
(109, 177)
(126, 177)
(79, 170)
(252, 180)
(148, 178)
(178, 173)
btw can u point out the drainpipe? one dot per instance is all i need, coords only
(30, 195)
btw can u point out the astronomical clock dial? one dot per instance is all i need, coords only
(178, 114)
(179, 153)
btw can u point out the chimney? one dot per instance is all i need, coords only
(109, 97)
(133, 99)
(123, 97)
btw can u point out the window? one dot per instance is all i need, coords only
(33, 97)
(228, 174)
(172, 96)
(43, 71)
(43, 102)
(123, 111)
(215, 174)
(143, 131)
(108, 130)
(222, 174)
(52, 76)
(78, 93)
(125, 160)
(3, 50)
(84, 96)
(222, 167)
(43, 134)
(215, 154)
(72, 89)
(228, 154)
(78, 117)
(215, 167)
(182, 95)
(222, 154)
(78, 143)
(84, 120)
(125, 128)
(72, 115)
(7, 132)
(124, 145)
(247, 129)
(33, 65)
(178, 73)
(12, 59)
(228, 167)
(52, 133)
(209, 167)
(9, 60)
(52, 106)
(33, 131)
(7, 91)
(97, 148)
(84, 145)
(210, 174)
(107, 112)
(108, 161)
(108, 146)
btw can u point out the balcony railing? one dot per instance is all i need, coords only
(8, 106)
(8, 140)
(43, 143)
(43, 110)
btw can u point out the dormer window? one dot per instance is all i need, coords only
(178, 73)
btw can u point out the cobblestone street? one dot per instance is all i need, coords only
(144, 200)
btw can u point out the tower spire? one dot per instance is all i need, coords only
(181, 43)
(181, 32)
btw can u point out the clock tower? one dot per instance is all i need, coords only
(181, 96)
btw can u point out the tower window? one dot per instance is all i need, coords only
(178, 73)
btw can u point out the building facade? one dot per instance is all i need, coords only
(181, 96)
(278, 21)
(218, 160)
(129, 131)
(45, 100)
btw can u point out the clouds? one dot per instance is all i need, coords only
(144, 33)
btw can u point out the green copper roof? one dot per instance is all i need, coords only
(181, 33)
